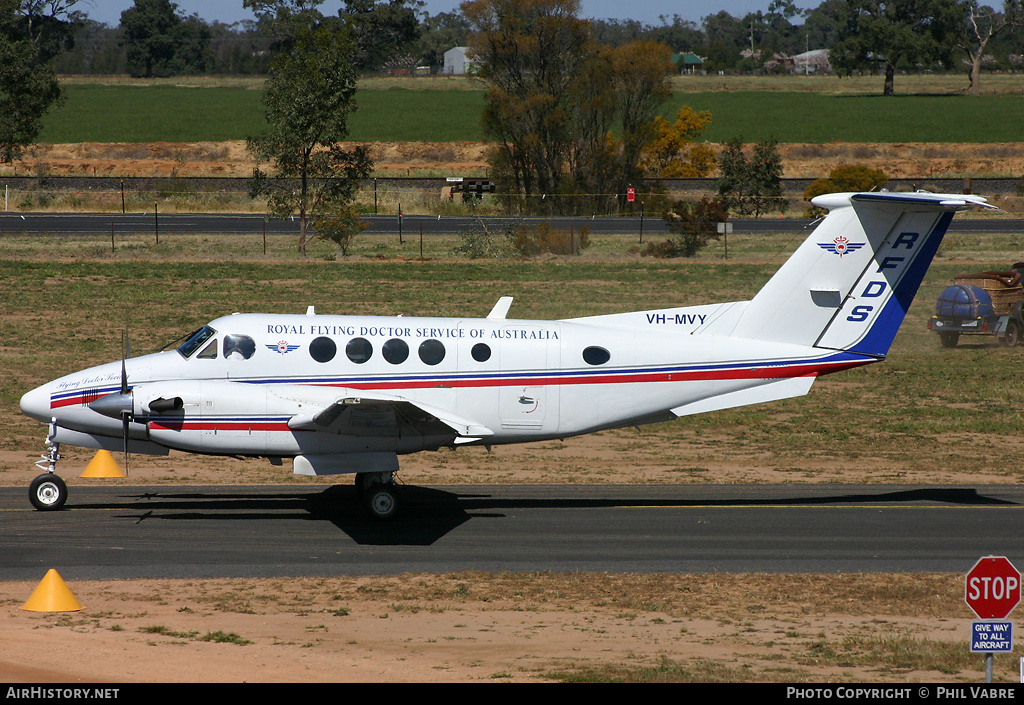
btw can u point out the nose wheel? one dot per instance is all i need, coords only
(48, 492)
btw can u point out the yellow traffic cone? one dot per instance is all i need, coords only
(52, 595)
(103, 465)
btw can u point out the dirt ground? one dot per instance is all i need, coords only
(901, 160)
(465, 628)
(484, 627)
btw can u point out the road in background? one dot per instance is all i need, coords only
(102, 224)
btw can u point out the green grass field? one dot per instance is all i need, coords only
(446, 111)
(167, 113)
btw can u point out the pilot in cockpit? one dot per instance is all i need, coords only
(238, 347)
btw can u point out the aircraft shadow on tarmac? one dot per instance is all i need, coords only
(428, 514)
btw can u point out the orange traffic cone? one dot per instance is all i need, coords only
(52, 595)
(103, 465)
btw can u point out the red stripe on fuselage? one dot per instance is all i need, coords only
(540, 379)
(188, 425)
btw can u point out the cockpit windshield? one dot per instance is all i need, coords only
(195, 341)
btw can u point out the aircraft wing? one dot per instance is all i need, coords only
(381, 416)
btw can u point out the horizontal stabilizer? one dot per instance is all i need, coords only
(771, 391)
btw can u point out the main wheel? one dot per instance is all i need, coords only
(382, 502)
(1012, 338)
(48, 492)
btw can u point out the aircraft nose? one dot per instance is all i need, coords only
(36, 403)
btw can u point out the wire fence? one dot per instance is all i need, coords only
(431, 195)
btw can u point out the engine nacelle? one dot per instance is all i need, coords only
(207, 416)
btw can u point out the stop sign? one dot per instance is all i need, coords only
(992, 588)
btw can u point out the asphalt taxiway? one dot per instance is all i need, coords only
(125, 531)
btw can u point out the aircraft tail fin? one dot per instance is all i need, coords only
(849, 285)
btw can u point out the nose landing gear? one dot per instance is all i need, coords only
(48, 491)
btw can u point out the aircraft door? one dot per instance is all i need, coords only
(528, 400)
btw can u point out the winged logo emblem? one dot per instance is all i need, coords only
(841, 246)
(282, 347)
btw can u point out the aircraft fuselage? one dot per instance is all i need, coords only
(522, 380)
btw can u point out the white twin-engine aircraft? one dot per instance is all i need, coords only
(349, 394)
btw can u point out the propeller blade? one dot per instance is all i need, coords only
(126, 413)
(124, 427)
(125, 351)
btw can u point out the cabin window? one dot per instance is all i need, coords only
(238, 347)
(395, 351)
(596, 356)
(481, 352)
(196, 341)
(323, 349)
(209, 352)
(359, 350)
(431, 351)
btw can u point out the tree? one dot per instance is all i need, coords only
(849, 177)
(439, 34)
(695, 225)
(309, 96)
(280, 19)
(32, 33)
(159, 41)
(50, 25)
(341, 228)
(640, 69)
(981, 25)
(890, 33)
(554, 96)
(670, 154)
(751, 185)
(529, 53)
(97, 50)
(380, 30)
(823, 24)
(726, 38)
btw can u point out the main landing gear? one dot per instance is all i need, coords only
(48, 492)
(379, 493)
